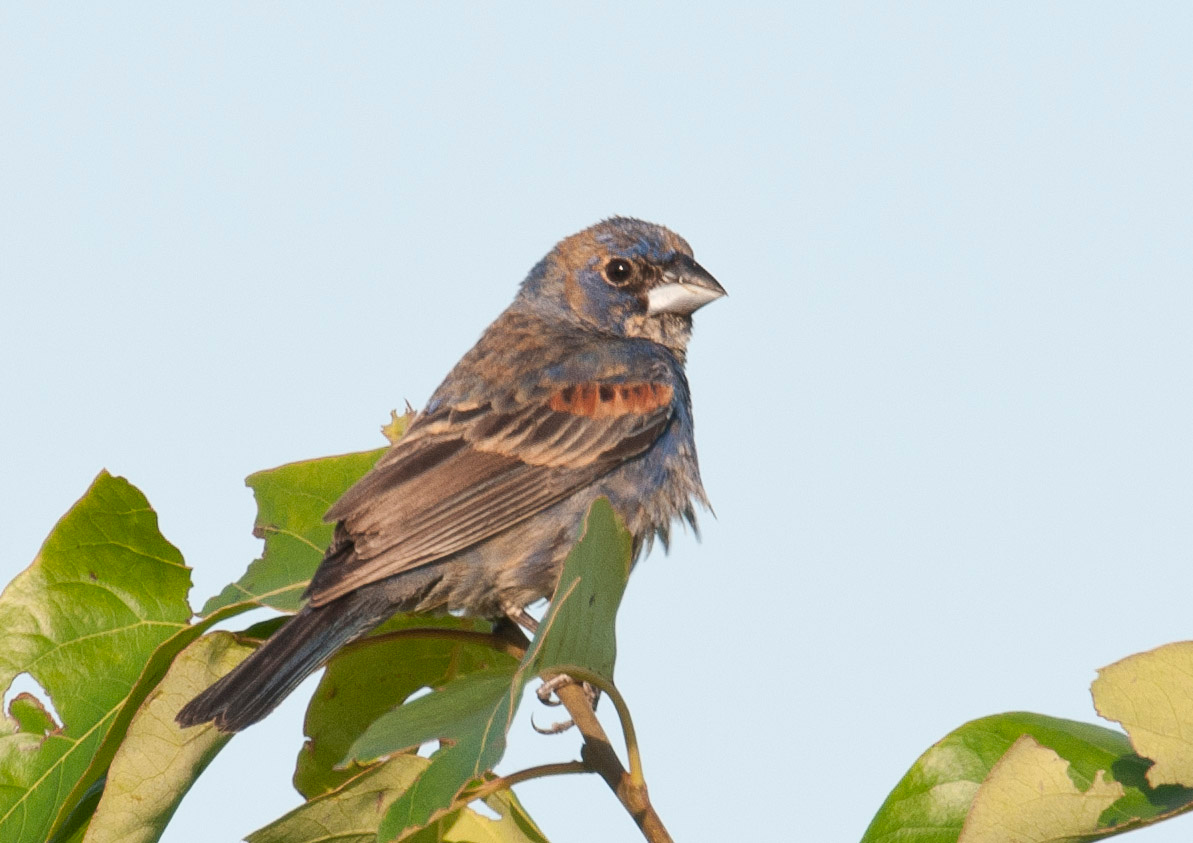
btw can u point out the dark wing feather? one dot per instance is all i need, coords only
(465, 474)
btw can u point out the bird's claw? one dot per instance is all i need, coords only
(546, 691)
(547, 696)
(554, 729)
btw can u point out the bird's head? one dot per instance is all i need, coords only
(624, 277)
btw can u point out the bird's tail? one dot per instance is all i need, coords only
(255, 686)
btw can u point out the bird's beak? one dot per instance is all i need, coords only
(686, 287)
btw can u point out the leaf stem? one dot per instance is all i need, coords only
(488, 788)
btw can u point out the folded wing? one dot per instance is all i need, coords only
(463, 474)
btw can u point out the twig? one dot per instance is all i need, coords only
(598, 754)
(623, 713)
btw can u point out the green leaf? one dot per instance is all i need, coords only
(158, 762)
(370, 677)
(578, 630)
(477, 749)
(152, 674)
(31, 715)
(84, 619)
(447, 714)
(73, 825)
(352, 813)
(515, 825)
(580, 627)
(930, 803)
(349, 814)
(291, 501)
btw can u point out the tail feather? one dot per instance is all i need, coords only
(258, 684)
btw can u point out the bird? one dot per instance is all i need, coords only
(576, 391)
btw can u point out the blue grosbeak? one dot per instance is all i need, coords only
(576, 391)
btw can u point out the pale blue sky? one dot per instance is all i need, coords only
(944, 414)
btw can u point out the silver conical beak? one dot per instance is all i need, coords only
(685, 288)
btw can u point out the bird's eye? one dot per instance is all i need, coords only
(619, 271)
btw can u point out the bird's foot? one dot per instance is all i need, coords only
(547, 696)
(522, 618)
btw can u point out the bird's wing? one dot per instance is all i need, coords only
(467, 472)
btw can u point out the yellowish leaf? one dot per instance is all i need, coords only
(1028, 797)
(396, 428)
(158, 761)
(1151, 695)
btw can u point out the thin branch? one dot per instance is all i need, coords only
(623, 713)
(598, 754)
